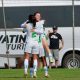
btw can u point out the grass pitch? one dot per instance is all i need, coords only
(54, 74)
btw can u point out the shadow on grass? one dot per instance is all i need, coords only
(12, 77)
(24, 77)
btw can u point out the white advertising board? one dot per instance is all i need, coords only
(15, 42)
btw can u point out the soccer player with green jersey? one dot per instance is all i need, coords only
(42, 55)
(39, 30)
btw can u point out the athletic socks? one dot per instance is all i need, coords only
(26, 66)
(34, 68)
(46, 69)
(31, 71)
(50, 58)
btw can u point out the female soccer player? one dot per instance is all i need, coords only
(42, 56)
(31, 46)
(39, 29)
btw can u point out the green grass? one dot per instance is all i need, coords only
(55, 74)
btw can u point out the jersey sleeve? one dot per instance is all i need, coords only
(60, 37)
(39, 27)
(23, 24)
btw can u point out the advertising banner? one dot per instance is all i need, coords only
(15, 42)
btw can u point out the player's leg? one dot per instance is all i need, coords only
(45, 66)
(26, 63)
(31, 66)
(35, 52)
(26, 57)
(45, 45)
(35, 64)
(43, 58)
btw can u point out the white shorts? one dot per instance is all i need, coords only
(32, 47)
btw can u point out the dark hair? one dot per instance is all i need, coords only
(31, 20)
(36, 13)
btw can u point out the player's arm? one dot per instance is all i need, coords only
(40, 29)
(24, 26)
(62, 43)
(37, 31)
